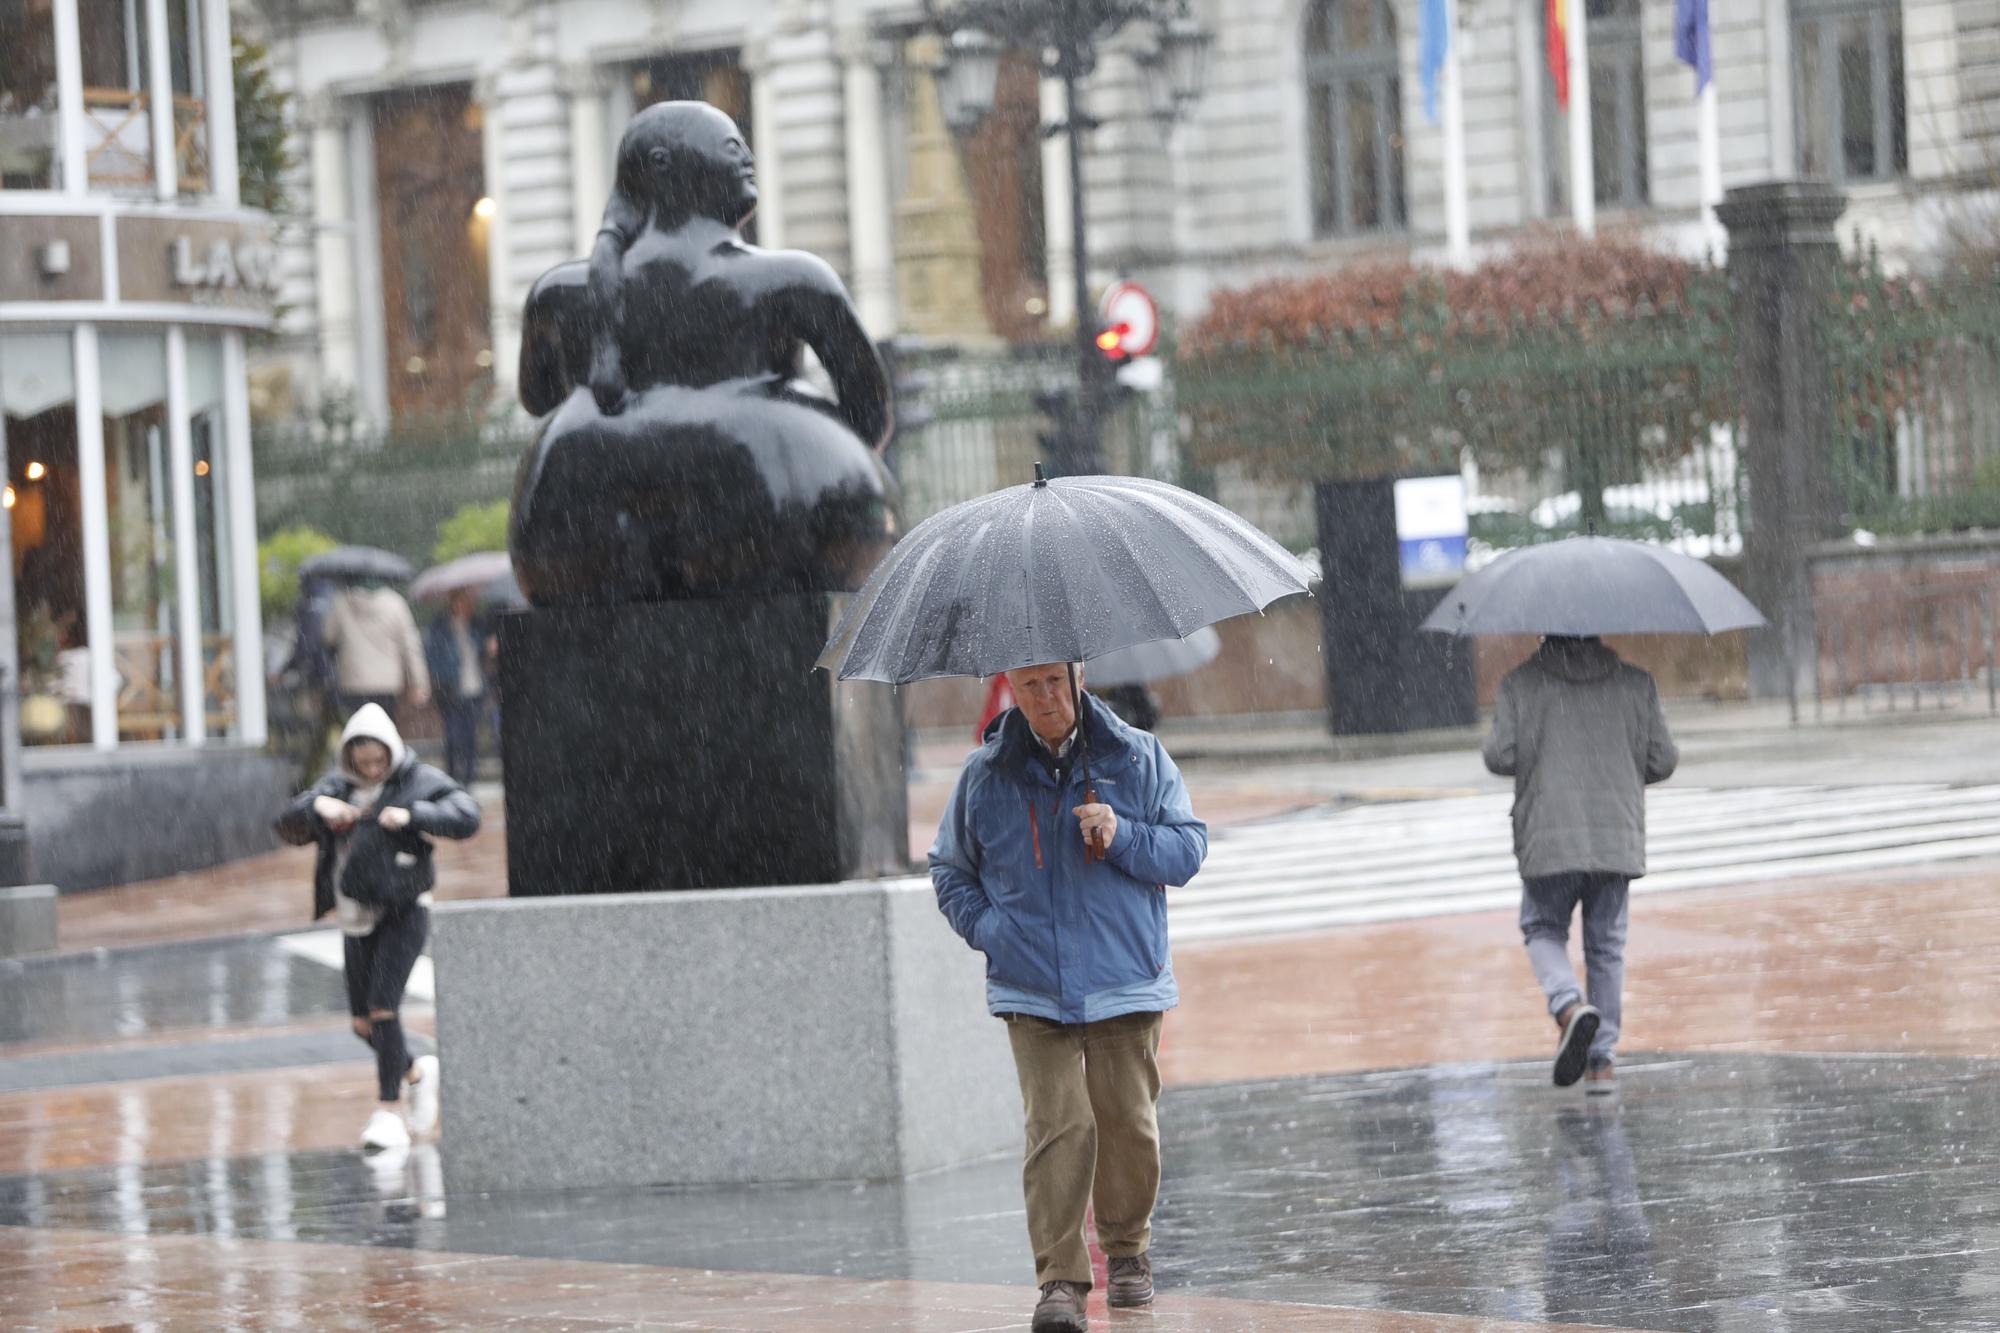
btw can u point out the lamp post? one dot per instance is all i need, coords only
(1068, 32)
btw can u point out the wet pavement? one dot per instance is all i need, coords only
(1714, 1192)
(1359, 1135)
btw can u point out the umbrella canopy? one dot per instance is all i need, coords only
(1157, 660)
(478, 571)
(1594, 585)
(1055, 571)
(352, 564)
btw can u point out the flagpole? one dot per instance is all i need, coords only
(1582, 171)
(1457, 213)
(1708, 136)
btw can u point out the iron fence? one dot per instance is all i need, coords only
(1910, 649)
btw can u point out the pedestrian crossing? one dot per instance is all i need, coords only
(1395, 860)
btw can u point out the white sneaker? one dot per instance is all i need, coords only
(385, 1130)
(424, 1095)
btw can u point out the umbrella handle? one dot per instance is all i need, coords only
(1092, 849)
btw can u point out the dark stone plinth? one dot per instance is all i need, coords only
(690, 745)
(1382, 674)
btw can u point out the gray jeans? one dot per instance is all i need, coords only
(1547, 904)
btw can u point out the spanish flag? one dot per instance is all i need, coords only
(1558, 30)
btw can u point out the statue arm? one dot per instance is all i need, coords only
(607, 315)
(832, 328)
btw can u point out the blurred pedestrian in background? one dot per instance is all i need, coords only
(378, 654)
(457, 650)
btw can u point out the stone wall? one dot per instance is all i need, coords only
(100, 819)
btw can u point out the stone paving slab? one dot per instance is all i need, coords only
(89, 1281)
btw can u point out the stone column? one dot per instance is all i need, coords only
(1782, 257)
(870, 236)
(1057, 230)
(333, 243)
(757, 63)
(590, 165)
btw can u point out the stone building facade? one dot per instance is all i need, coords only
(1899, 99)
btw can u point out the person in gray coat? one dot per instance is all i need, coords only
(1582, 734)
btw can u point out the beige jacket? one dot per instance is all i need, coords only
(376, 645)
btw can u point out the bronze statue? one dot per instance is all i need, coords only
(684, 457)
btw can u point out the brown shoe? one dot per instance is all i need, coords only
(1131, 1282)
(1061, 1308)
(1579, 1029)
(1600, 1080)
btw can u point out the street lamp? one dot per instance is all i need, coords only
(1067, 33)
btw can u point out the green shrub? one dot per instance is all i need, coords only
(278, 559)
(476, 527)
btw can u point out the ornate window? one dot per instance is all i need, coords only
(1354, 116)
(1620, 173)
(1847, 91)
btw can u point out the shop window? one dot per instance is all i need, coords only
(433, 213)
(138, 500)
(117, 113)
(1355, 116)
(45, 498)
(1847, 59)
(213, 574)
(30, 136)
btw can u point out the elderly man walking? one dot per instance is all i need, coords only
(1582, 734)
(1075, 938)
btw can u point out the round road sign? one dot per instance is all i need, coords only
(1128, 307)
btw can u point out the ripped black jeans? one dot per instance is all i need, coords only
(378, 968)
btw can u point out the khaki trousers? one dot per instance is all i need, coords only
(1090, 1091)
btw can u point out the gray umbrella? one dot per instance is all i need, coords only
(1157, 660)
(1055, 571)
(350, 564)
(478, 572)
(1594, 585)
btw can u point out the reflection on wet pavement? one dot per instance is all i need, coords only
(1718, 1192)
(120, 994)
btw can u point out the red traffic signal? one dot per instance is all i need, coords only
(1111, 341)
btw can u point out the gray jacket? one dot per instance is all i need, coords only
(1581, 733)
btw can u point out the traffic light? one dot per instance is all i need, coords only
(1112, 344)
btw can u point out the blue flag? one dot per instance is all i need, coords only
(1436, 41)
(1691, 40)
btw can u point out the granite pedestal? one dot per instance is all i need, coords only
(829, 1032)
(690, 744)
(27, 919)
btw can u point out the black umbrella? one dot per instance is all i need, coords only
(1055, 571)
(1594, 585)
(355, 564)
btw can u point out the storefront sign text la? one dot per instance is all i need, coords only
(221, 264)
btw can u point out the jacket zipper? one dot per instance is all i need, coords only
(1035, 825)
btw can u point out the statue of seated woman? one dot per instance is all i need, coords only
(682, 455)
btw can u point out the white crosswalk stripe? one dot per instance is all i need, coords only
(1431, 857)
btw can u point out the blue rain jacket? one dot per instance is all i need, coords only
(1066, 940)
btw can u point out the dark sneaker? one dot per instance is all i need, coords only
(1579, 1028)
(1601, 1079)
(1131, 1282)
(1061, 1308)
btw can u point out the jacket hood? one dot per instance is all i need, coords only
(1578, 661)
(371, 723)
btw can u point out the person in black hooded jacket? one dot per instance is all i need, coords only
(373, 817)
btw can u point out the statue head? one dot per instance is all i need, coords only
(687, 159)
